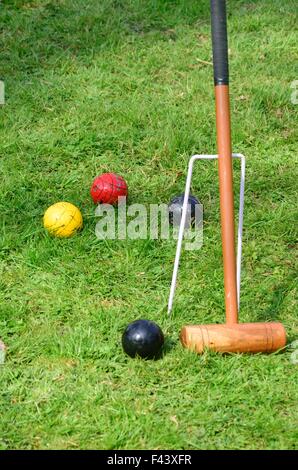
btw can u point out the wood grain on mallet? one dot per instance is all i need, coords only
(237, 338)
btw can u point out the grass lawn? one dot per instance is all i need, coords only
(125, 86)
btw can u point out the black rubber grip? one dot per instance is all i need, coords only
(219, 42)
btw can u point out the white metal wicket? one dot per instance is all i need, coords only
(183, 220)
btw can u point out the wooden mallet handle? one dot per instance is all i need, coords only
(221, 82)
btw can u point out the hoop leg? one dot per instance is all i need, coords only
(240, 223)
(183, 220)
(180, 234)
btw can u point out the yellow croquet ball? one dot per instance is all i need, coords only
(62, 219)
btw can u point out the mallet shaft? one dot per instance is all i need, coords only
(221, 82)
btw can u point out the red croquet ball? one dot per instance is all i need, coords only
(107, 187)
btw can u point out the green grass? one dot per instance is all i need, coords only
(119, 86)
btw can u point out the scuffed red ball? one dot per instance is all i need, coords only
(107, 187)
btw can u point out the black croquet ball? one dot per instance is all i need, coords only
(143, 338)
(175, 210)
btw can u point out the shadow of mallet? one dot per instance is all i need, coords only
(232, 336)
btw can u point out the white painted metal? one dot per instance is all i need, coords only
(183, 220)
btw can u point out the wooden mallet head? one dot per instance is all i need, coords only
(234, 338)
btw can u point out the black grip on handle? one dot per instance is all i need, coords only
(219, 42)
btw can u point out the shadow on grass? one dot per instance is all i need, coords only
(36, 32)
(169, 345)
(278, 298)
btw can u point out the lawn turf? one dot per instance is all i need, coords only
(126, 86)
